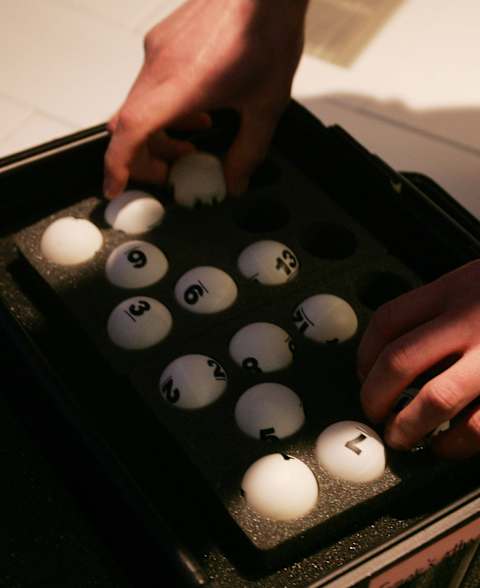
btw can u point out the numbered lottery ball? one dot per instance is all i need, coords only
(138, 323)
(351, 451)
(69, 241)
(280, 487)
(326, 318)
(193, 381)
(269, 411)
(136, 264)
(134, 212)
(197, 178)
(205, 290)
(269, 262)
(262, 347)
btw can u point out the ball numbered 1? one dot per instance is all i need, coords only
(138, 323)
(193, 381)
(269, 411)
(268, 262)
(262, 347)
(280, 487)
(136, 264)
(205, 290)
(134, 212)
(326, 318)
(351, 451)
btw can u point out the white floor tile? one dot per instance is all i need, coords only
(11, 116)
(36, 129)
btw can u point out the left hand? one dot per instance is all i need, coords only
(411, 334)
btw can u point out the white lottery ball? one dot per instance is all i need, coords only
(261, 347)
(326, 318)
(269, 262)
(138, 323)
(134, 212)
(69, 241)
(269, 410)
(351, 451)
(280, 487)
(136, 264)
(205, 290)
(197, 178)
(193, 381)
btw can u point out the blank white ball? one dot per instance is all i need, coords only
(205, 290)
(139, 322)
(136, 264)
(326, 318)
(69, 241)
(351, 451)
(280, 487)
(269, 262)
(193, 381)
(134, 212)
(197, 178)
(269, 410)
(262, 347)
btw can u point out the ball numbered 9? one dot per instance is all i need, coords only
(269, 411)
(136, 264)
(262, 347)
(197, 178)
(280, 487)
(326, 318)
(351, 451)
(268, 262)
(134, 212)
(192, 381)
(138, 323)
(205, 290)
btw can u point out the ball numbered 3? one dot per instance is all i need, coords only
(262, 347)
(192, 381)
(268, 262)
(138, 323)
(134, 212)
(205, 290)
(280, 487)
(326, 318)
(269, 411)
(136, 264)
(351, 451)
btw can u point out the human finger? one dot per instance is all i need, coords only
(397, 317)
(404, 359)
(442, 398)
(462, 440)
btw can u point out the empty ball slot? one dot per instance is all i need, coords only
(262, 215)
(266, 174)
(380, 287)
(329, 241)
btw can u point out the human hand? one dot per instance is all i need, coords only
(208, 54)
(411, 334)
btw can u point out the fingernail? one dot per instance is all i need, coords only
(108, 187)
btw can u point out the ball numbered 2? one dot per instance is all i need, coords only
(206, 290)
(192, 381)
(268, 262)
(138, 323)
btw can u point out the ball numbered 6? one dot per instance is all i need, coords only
(205, 290)
(138, 323)
(192, 381)
(136, 264)
(269, 262)
(326, 318)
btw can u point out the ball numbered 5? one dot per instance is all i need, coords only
(268, 262)
(269, 411)
(205, 290)
(262, 347)
(136, 264)
(138, 323)
(192, 381)
(326, 318)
